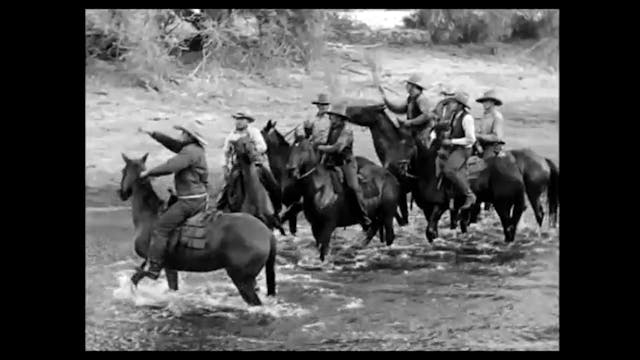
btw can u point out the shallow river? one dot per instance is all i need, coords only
(461, 292)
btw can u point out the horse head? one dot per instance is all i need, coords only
(130, 174)
(303, 158)
(365, 115)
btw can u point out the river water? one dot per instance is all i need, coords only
(463, 292)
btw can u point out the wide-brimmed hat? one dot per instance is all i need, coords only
(416, 80)
(490, 95)
(193, 128)
(462, 97)
(339, 109)
(447, 90)
(242, 115)
(323, 99)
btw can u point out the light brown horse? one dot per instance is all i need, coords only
(238, 243)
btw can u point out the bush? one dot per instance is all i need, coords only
(149, 41)
(479, 26)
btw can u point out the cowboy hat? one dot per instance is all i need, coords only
(490, 96)
(241, 115)
(323, 99)
(416, 80)
(447, 90)
(462, 97)
(339, 109)
(194, 129)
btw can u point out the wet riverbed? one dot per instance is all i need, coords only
(461, 292)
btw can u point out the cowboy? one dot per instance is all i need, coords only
(191, 173)
(417, 108)
(457, 148)
(242, 129)
(491, 126)
(318, 127)
(339, 151)
(440, 110)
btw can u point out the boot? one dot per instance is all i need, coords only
(470, 200)
(153, 273)
(366, 221)
(154, 269)
(463, 186)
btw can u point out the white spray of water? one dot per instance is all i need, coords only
(214, 296)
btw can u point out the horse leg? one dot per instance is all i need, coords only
(465, 219)
(404, 211)
(474, 212)
(172, 279)
(375, 226)
(316, 230)
(518, 209)
(246, 285)
(325, 237)
(533, 193)
(503, 209)
(453, 213)
(432, 226)
(388, 230)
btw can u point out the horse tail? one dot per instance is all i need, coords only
(553, 191)
(270, 270)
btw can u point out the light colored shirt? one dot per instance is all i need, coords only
(254, 134)
(491, 126)
(319, 125)
(469, 131)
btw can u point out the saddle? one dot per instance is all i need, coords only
(475, 165)
(193, 231)
(368, 186)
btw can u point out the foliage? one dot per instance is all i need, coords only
(151, 40)
(484, 25)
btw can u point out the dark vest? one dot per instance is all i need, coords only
(457, 131)
(334, 134)
(413, 110)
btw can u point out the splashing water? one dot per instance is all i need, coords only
(210, 296)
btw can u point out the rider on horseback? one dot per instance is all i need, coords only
(417, 108)
(491, 128)
(339, 151)
(318, 127)
(230, 170)
(191, 182)
(457, 149)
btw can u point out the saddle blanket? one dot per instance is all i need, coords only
(193, 232)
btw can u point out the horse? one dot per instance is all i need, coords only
(540, 174)
(255, 198)
(278, 150)
(238, 243)
(327, 205)
(500, 182)
(394, 147)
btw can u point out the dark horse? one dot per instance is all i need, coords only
(278, 150)
(394, 147)
(239, 243)
(249, 188)
(326, 203)
(540, 174)
(499, 183)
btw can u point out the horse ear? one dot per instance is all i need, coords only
(144, 158)
(125, 158)
(273, 124)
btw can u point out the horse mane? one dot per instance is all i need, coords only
(150, 198)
